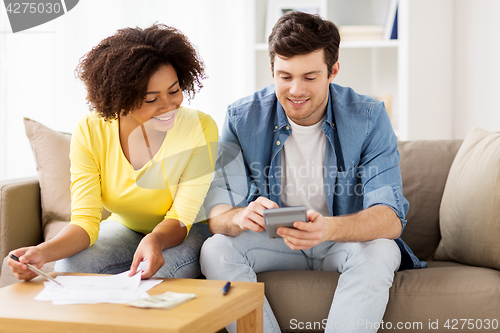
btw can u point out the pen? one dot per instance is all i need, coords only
(36, 270)
(226, 287)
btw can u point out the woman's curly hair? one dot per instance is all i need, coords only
(116, 72)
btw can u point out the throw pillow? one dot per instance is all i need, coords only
(51, 151)
(469, 212)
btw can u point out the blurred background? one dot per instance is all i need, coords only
(438, 78)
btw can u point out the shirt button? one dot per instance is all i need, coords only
(278, 142)
(287, 127)
(275, 127)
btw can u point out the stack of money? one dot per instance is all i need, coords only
(167, 300)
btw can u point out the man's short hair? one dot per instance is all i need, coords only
(298, 33)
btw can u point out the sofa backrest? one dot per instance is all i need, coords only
(424, 169)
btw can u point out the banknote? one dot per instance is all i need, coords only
(167, 300)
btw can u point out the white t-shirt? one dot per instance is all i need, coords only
(303, 166)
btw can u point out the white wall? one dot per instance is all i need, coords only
(453, 67)
(430, 69)
(476, 66)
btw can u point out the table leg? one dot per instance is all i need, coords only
(251, 322)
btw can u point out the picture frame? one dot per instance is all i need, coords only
(276, 8)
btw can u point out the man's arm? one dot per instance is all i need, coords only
(373, 223)
(220, 220)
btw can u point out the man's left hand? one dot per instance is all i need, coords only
(306, 234)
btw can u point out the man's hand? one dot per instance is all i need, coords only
(251, 218)
(32, 255)
(306, 234)
(149, 250)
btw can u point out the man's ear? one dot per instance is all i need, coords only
(272, 69)
(335, 71)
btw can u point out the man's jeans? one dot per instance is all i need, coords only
(363, 288)
(114, 250)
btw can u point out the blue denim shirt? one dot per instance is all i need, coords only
(256, 128)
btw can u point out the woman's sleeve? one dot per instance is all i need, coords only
(196, 177)
(86, 204)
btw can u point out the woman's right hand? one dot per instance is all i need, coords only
(69, 241)
(32, 255)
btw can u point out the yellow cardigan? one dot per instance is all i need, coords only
(172, 185)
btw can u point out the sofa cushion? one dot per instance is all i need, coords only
(424, 169)
(53, 228)
(469, 220)
(443, 291)
(51, 152)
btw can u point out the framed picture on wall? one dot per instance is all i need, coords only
(276, 8)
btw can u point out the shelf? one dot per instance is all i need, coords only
(369, 44)
(351, 44)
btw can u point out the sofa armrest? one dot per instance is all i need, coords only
(20, 214)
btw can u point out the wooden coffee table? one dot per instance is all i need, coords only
(210, 312)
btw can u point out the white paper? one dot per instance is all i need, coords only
(119, 288)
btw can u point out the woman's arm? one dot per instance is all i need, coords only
(69, 241)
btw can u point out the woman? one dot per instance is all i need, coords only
(142, 156)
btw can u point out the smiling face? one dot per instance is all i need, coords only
(163, 99)
(301, 84)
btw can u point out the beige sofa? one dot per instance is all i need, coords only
(446, 296)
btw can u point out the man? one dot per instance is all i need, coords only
(306, 141)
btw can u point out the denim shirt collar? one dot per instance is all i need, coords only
(280, 119)
(329, 110)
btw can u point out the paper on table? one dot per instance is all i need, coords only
(118, 288)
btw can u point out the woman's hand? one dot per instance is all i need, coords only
(165, 235)
(32, 255)
(149, 250)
